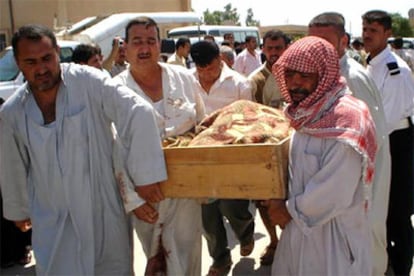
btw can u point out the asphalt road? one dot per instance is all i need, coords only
(242, 266)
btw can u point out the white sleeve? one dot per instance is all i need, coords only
(329, 191)
(13, 175)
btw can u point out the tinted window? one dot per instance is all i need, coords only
(178, 34)
(66, 54)
(8, 67)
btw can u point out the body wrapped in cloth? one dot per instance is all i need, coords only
(239, 151)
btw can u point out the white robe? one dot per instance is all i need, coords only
(329, 233)
(364, 88)
(61, 175)
(179, 222)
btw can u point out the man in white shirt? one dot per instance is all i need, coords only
(248, 60)
(396, 85)
(219, 86)
(171, 240)
(182, 49)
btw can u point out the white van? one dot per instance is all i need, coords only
(10, 76)
(198, 32)
(102, 30)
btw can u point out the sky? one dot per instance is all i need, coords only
(276, 12)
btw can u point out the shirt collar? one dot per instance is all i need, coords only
(379, 58)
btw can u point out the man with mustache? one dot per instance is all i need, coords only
(324, 219)
(395, 82)
(171, 237)
(267, 92)
(331, 26)
(56, 167)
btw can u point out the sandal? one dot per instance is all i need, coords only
(245, 250)
(27, 257)
(267, 255)
(219, 271)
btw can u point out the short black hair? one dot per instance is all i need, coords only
(144, 21)
(398, 43)
(381, 17)
(181, 42)
(83, 52)
(33, 32)
(249, 38)
(204, 52)
(357, 42)
(227, 35)
(328, 19)
(275, 35)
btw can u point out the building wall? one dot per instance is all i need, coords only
(15, 13)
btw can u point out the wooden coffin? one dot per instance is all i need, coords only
(252, 171)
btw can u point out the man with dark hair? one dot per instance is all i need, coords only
(56, 171)
(397, 47)
(358, 46)
(396, 84)
(230, 38)
(220, 86)
(331, 166)
(182, 49)
(331, 26)
(171, 239)
(267, 92)
(89, 54)
(275, 42)
(249, 59)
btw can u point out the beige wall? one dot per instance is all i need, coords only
(15, 13)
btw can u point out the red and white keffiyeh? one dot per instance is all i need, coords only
(330, 111)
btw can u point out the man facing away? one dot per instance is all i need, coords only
(56, 169)
(396, 85)
(331, 26)
(326, 228)
(220, 86)
(227, 55)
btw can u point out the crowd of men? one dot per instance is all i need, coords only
(81, 159)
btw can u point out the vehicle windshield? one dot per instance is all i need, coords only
(8, 67)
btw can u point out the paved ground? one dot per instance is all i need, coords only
(245, 266)
(241, 266)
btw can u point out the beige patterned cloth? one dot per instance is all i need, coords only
(242, 122)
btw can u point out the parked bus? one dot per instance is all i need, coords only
(198, 32)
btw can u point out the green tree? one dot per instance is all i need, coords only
(227, 17)
(230, 15)
(401, 26)
(213, 18)
(250, 21)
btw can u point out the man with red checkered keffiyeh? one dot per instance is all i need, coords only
(331, 166)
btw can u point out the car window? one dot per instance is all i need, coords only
(8, 67)
(66, 54)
